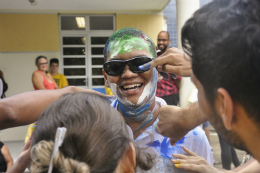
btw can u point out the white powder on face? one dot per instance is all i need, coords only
(147, 91)
(115, 90)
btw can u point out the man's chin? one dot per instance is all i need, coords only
(162, 50)
(233, 139)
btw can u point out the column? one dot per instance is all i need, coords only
(184, 10)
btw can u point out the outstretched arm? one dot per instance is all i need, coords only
(24, 158)
(25, 108)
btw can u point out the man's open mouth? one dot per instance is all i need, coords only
(131, 87)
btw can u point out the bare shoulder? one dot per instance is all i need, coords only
(35, 73)
(48, 74)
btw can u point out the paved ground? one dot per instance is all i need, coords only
(16, 148)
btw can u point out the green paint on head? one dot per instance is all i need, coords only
(127, 44)
(127, 40)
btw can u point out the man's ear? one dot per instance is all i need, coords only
(105, 77)
(225, 108)
(129, 159)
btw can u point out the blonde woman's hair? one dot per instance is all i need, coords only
(96, 137)
(41, 157)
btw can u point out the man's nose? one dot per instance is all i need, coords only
(128, 73)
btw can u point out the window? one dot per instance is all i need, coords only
(82, 48)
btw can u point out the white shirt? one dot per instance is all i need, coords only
(156, 144)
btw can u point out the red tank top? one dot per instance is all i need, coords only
(48, 85)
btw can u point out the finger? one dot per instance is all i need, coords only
(180, 156)
(30, 138)
(146, 66)
(161, 61)
(157, 62)
(27, 145)
(170, 69)
(189, 167)
(189, 151)
(178, 161)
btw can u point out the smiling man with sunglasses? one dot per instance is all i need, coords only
(135, 90)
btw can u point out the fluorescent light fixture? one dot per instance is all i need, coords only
(81, 22)
(33, 2)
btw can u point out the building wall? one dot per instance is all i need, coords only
(29, 32)
(151, 24)
(23, 37)
(170, 12)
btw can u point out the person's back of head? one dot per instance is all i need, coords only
(223, 40)
(97, 138)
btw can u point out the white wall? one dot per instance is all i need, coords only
(18, 68)
(185, 9)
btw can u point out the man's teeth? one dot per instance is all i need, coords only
(131, 86)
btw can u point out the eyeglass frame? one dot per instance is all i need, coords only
(42, 64)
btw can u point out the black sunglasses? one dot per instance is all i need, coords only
(116, 67)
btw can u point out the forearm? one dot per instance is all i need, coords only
(9, 165)
(16, 168)
(192, 116)
(25, 108)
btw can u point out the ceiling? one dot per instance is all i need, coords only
(83, 6)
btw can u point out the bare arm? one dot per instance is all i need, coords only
(7, 156)
(24, 158)
(37, 81)
(175, 122)
(253, 167)
(25, 108)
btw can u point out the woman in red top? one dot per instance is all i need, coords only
(41, 79)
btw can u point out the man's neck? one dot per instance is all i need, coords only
(253, 143)
(54, 73)
(133, 124)
(249, 132)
